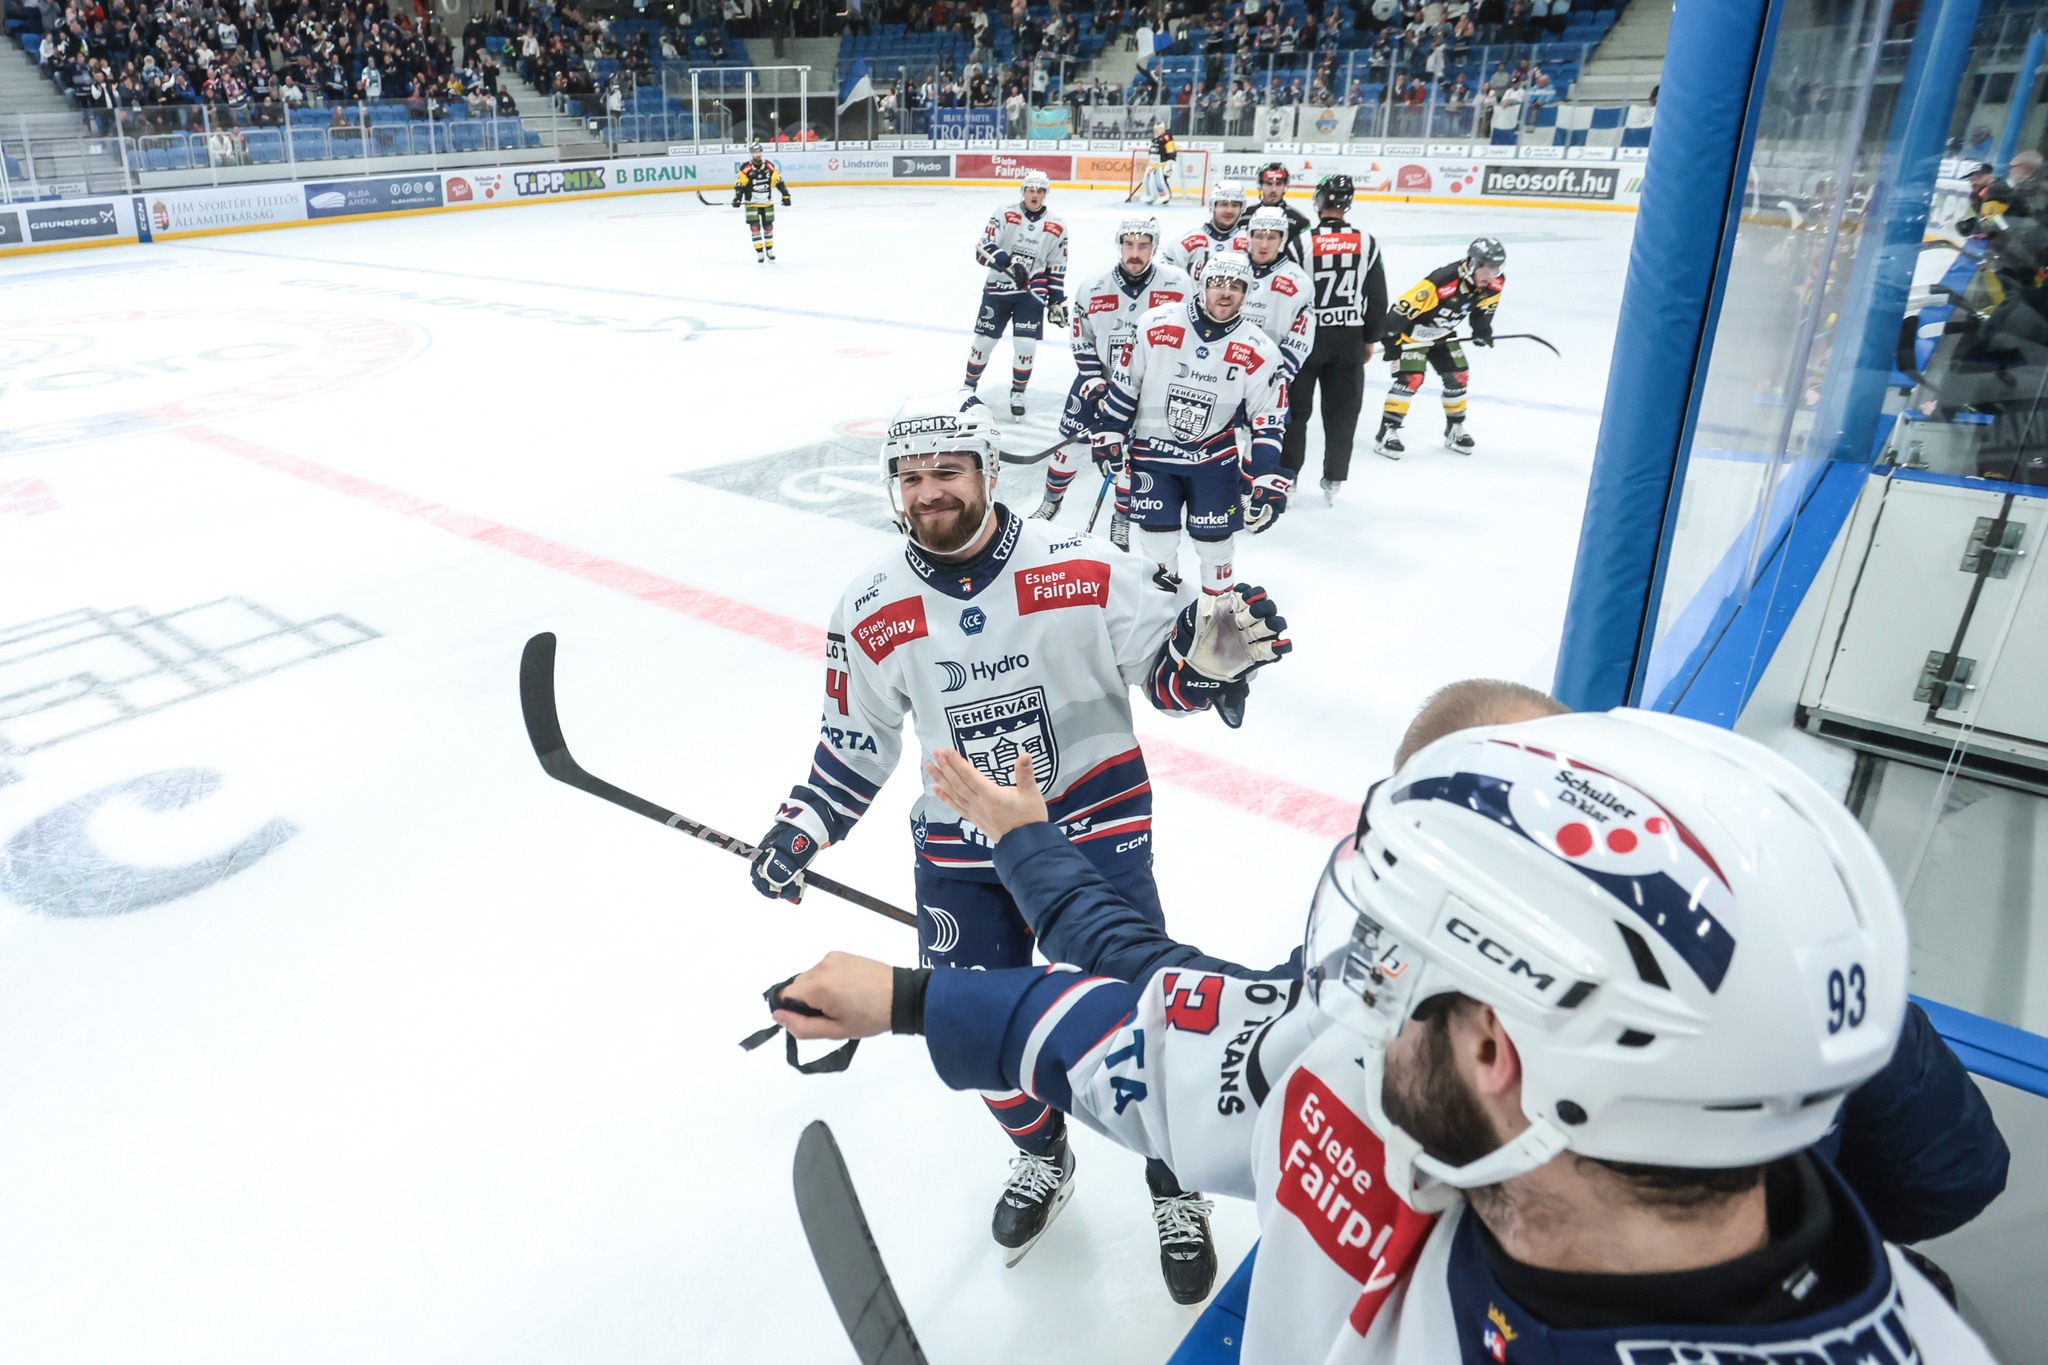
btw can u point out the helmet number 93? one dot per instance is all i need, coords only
(1845, 998)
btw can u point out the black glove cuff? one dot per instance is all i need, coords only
(906, 999)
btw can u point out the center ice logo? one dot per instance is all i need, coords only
(990, 734)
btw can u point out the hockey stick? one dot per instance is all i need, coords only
(544, 730)
(1104, 493)
(1530, 336)
(848, 1260)
(1047, 453)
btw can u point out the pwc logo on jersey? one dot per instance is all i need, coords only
(896, 624)
(1070, 583)
(1166, 335)
(1331, 1178)
(1240, 353)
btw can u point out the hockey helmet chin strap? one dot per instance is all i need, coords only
(1431, 1186)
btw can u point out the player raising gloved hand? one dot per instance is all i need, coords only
(777, 870)
(1218, 642)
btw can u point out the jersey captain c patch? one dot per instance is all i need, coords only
(991, 733)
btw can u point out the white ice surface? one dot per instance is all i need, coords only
(449, 1075)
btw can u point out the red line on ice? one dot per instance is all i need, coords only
(1275, 798)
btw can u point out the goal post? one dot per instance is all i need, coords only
(1190, 175)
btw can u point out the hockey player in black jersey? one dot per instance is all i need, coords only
(756, 186)
(1343, 263)
(1273, 182)
(1422, 329)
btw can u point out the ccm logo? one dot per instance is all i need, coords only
(1499, 954)
(1071, 583)
(896, 624)
(1166, 336)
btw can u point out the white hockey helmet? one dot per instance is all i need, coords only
(957, 423)
(1036, 180)
(1227, 265)
(1138, 225)
(1267, 219)
(1694, 948)
(1227, 192)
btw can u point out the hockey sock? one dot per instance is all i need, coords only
(1022, 353)
(1032, 1124)
(1066, 462)
(1123, 490)
(1218, 572)
(977, 361)
(1161, 547)
(1454, 395)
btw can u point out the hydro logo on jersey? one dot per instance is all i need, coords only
(990, 734)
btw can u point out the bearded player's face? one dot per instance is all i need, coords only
(944, 497)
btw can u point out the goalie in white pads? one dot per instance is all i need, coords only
(997, 638)
(1106, 314)
(1282, 298)
(1025, 249)
(1223, 232)
(1193, 376)
(1578, 996)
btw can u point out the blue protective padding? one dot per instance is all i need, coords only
(2022, 100)
(1999, 1052)
(1218, 1335)
(1714, 69)
(1730, 662)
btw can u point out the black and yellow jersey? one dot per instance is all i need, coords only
(1443, 298)
(1163, 150)
(758, 182)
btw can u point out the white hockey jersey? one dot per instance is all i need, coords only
(1185, 385)
(1245, 1092)
(1030, 649)
(1036, 241)
(1282, 301)
(1106, 311)
(1191, 252)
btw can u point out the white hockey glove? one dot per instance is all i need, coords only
(1059, 317)
(1220, 641)
(1108, 450)
(1266, 501)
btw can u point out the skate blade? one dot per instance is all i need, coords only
(1012, 1255)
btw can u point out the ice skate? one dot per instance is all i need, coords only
(1038, 1189)
(1457, 440)
(1331, 488)
(1187, 1250)
(1017, 401)
(1119, 531)
(1388, 442)
(1049, 507)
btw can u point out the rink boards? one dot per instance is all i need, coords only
(1393, 172)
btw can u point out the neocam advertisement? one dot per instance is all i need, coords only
(352, 198)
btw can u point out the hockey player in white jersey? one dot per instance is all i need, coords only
(1106, 318)
(1024, 248)
(1223, 232)
(1281, 299)
(1194, 375)
(1000, 636)
(1578, 997)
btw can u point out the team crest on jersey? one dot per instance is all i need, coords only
(991, 734)
(1188, 411)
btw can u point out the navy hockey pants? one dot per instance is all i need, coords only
(1211, 495)
(1022, 312)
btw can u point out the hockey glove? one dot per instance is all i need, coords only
(1092, 390)
(778, 868)
(1058, 317)
(1020, 274)
(785, 201)
(735, 201)
(1268, 500)
(1218, 643)
(1479, 339)
(1108, 449)
(1392, 346)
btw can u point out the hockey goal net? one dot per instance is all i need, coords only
(1189, 175)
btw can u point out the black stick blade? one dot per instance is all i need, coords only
(847, 1256)
(537, 703)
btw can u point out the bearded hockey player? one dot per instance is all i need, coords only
(756, 186)
(1025, 250)
(1578, 997)
(1003, 638)
(1281, 300)
(1422, 328)
(1195, 374)
(1223, 232)
(1105, 319)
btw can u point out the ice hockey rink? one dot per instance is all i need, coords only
(331, 1030)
